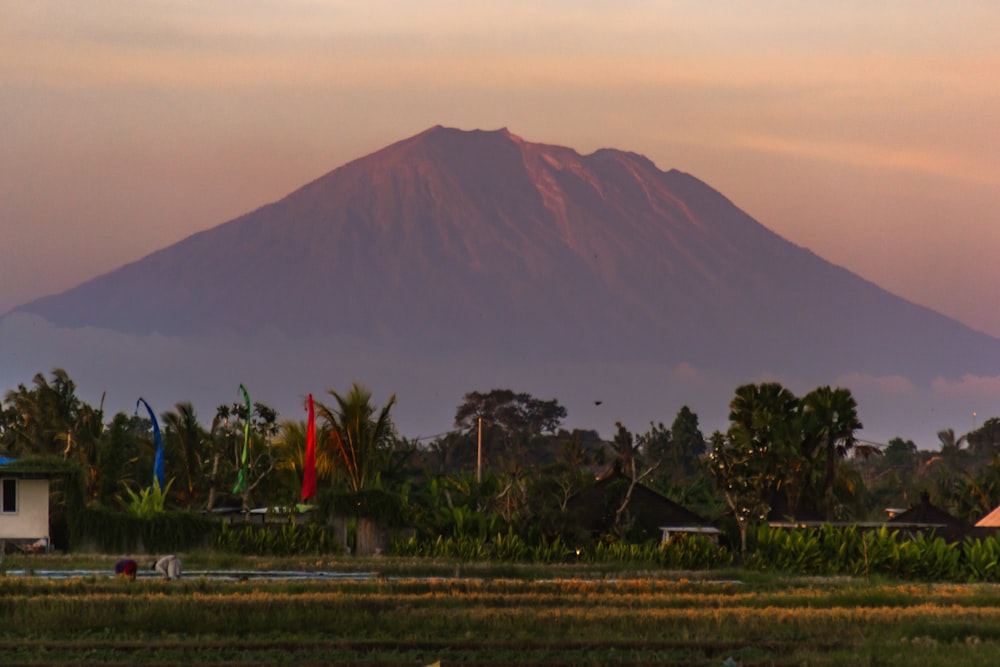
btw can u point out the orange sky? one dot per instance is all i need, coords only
(866, 132)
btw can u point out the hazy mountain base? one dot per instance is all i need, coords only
(207, 371)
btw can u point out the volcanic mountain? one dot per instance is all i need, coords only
(484, 254)
(452, 239)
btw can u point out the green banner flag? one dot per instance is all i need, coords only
(241, 479)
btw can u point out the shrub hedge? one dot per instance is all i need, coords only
(824, 551)
(116, 532)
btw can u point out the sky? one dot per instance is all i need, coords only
(864, 131)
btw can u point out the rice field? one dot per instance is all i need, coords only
(397, 620)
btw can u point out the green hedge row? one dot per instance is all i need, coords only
(849, 550)
(814, 551)
(117, 532)
(288, 539)
(827, 550)
(687, 552)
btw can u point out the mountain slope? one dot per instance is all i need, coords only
(454, 241)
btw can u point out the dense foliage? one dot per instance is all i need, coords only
(509, 477)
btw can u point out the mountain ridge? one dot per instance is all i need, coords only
(481, 241)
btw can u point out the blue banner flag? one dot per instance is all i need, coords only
(158, 476)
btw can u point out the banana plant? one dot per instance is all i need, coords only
(148, 502)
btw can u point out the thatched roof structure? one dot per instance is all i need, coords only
(926, 516)
(925, 513)
(595, 507)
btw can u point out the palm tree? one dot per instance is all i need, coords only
(755, 406)
(832, 419)
(951, 444)
(765, 417)
(766, 426)
(43, 416)
(219, 437)
(51, 420)
(360, 438)
(187, 440)
(292, 437)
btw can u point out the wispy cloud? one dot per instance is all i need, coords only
(872, 156)
(986, 388)
(887, 385)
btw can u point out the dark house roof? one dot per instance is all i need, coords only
(35, 468)
(926, 513)
(594, 508)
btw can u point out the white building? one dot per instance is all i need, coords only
(24, 507)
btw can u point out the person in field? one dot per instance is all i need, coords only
(169, 567)
(127, 568)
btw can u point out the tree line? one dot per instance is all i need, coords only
(508, 464)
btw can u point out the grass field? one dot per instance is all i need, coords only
(416, 613)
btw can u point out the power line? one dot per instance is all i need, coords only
(431, 437)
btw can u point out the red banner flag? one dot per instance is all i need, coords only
(309, 466)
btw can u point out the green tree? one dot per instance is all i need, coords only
(581, 449)
(900, 453)
(452, 452)
(766, 419)
(49, 419)
(513, 425)
(742, 476)
(985, 440)
(547, 497)
(221, 437)
(687, 440)
(656, 444)
(228, 435)
(185, 445)
(120, 451)
(626, 449)
(292, 437)
(629, 462)
(514, 412)
(951, 444)
(360, 435)
(831, 418)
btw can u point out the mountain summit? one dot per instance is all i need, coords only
(453, 240)
(455, 261)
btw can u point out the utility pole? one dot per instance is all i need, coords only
(479, 454)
